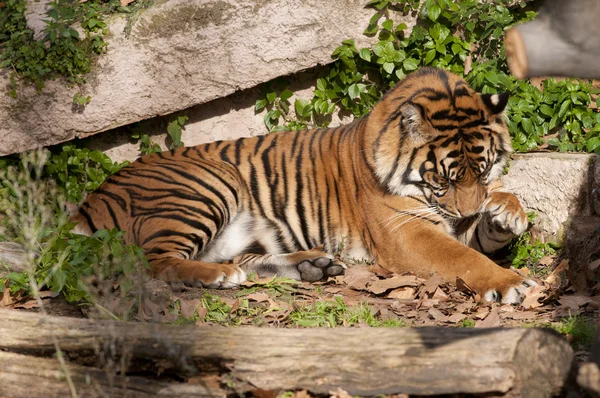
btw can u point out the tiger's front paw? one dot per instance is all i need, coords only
(506, 213)
(513, 294)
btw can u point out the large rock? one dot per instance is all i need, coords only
(559, 187)
(179, 54)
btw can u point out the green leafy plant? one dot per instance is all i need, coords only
(80, 99)
(62, 50)
(527, 252)
(147, 146)
(77, 170)
(580, 331)
(174, 130)
(57, 259)
(337, 313)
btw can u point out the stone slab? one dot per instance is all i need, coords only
(557, 186)
(182, 53)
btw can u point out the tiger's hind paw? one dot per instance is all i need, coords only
(316, 269)
(512, 295)
(224, 276)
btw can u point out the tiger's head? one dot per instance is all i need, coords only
(434, 136)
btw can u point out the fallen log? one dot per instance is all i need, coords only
(561, 41)
(25, 376)
(362, 361)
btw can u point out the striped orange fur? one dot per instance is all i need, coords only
(414, 186)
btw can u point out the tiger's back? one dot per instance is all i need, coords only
(424, 159)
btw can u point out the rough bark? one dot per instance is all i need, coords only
(25, 376)
(366, 361)
(561, 41)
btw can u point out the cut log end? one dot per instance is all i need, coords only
(516, 55)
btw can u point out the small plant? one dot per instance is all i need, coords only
(80, 99)
(467, 323)
(56, 258)
(61, 51)
(147, 146)
(77, 170)
(527, 252)
(337, 313)
(174, 130)
(580, 331)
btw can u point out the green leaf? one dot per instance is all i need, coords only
(410, 64)
(527, 125)
(371, 29)
(365, 54)
(302, 107)
(434, 11)
(388, 24)
(271, 97)
(593, 144)
(388, 67)
(546, 110)
(353, 90)
(286, 94)
(430, 56)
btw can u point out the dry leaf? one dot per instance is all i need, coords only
(594, 264)
(258, 297)
(523, 315)
(532, 296)
(456, 317)
(357, 277)
(379, 270)
(554, 280)
(188, 307)
(462, 286)
(574, 302)
(481, 313)
(439, 294)
(438, 315)
(462, 307)
(6, 299)
(407, 293)
(383, 285)
(431, 284)
(491, 321)
(26, 305)
(547, 260)
(124, 2)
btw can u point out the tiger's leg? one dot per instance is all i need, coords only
(197, 273)
(424, 245)
(502, 218)
(310, 265)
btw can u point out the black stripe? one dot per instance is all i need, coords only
(87, 217)
(113, 216)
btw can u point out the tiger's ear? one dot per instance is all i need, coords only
(496, 103)
(412, 119)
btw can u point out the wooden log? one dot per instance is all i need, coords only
(25, 376)
(561, 41)
(362, 361)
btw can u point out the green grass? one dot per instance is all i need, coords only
(579, 329)
(338, 313)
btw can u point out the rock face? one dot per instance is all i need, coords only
(180, 54)
(559, 187)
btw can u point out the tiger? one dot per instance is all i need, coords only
(414, 186)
